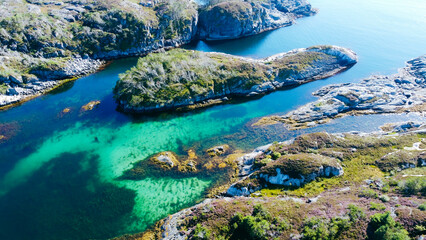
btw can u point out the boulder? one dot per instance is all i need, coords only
(16, 79)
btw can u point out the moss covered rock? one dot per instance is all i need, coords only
(181, 78)
(398, 160)
(297, 169)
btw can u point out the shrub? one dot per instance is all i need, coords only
(248, 227)
(275, 155)
(393, 183)
(201, 232)
(260, 212)
(383, 226)
(355, 213)
(377, 206)
(422, 207)
(317, 228)
(413, 186)
(368, 193)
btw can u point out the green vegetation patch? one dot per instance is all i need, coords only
(298, 165)
(183, 77)
(359, 155)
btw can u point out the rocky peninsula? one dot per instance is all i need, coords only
(401, 92)
(44, 42)
(235, 19)
(356, 186)
(190, 79)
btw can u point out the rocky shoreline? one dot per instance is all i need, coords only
(401, 92)
(19, 88)
(364, 157)
(226, 77)
(79, 35)
(236, 19)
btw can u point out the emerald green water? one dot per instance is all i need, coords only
(58, 174)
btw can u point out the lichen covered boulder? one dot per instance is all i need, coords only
(400, 160)
(293, 170)
(298, 169)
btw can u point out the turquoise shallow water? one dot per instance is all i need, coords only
(68, 165)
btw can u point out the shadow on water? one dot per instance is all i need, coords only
(233, 46)
(66, 200)
(63, 88)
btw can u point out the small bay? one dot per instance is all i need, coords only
(68, 163)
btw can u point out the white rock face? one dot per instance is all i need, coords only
(245, 187)
(45, 80)
(377, 94)
(286, 180)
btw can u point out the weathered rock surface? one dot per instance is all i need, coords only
(78, 31)
(237, 18)
(40, 77)
(400, 160)
(196, 77)
(405, 91)
(69, 38)
(280, 164)
(290, 170)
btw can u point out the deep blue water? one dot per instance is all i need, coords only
(68, 164)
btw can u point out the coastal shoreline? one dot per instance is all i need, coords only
(399, 93)
(158, 39)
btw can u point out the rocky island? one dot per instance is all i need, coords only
(338, 186)
(190, 79)
(401, 92)
(45, 43)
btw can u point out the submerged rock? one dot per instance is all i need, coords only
(170, 164)
(217, 151)
(88, 107)
(166, 160)
(193, 77)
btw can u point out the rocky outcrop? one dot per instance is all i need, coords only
(278, 166)
(218, 150)
(172, 165)
(37, 75)
(402, 92)
(400, 160)
(197, 77)
(78, 31)
(237, 18)
(71, 38)
(290, 170)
